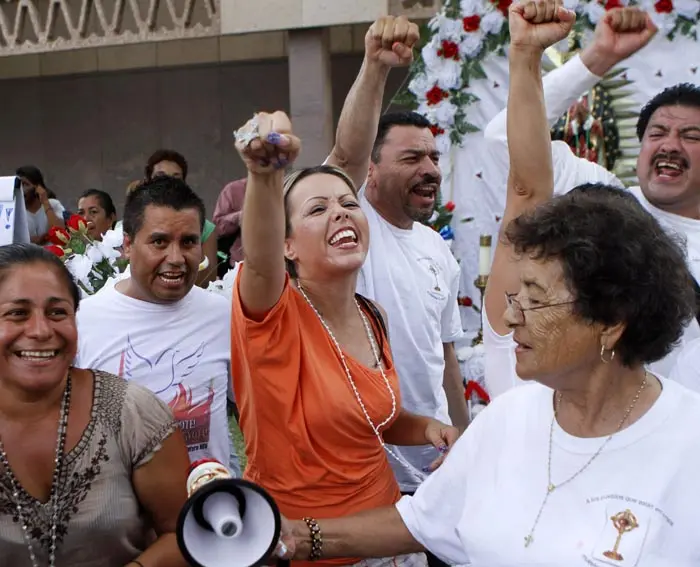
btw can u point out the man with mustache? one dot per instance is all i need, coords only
(409, 270)
(668, 166)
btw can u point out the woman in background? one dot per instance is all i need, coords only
(97, 208)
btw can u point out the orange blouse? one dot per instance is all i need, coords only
(307, 440)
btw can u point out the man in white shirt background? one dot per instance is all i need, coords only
(668, 166)
(410, 270)
(43, 211)
(157, 327)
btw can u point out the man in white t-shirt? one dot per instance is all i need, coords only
(157, 327)
(409, 270)
(668, 167)
(43, 212)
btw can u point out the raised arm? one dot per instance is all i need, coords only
(534, 26)
(267, 146)
(620, 33)
(388, 43)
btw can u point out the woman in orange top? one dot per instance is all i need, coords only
(313, 375)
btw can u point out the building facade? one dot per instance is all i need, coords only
(89, 88)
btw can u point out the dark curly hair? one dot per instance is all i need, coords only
(165, 155)
(619, 264)
(682, 94)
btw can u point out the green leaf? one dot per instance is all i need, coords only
(477, 70)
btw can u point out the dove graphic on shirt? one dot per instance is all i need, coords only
(167, 370)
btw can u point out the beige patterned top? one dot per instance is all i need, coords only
(100, 523)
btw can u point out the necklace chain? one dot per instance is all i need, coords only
(53, 495)
(378, 361)
(551, 487)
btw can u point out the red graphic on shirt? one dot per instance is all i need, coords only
(194, 418)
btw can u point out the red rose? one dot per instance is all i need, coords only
(449, 50)
(471, 23)
(502, 6)
(611, 4)
(465, 301)
(58, 236)
(449, 206)
(77, 223)
(436, 95)
(436, 130)
(664, 6)
(57, 250)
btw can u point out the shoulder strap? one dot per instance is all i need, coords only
(376, 316)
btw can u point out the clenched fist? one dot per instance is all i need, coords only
(266, 143)
(620, 33)
(537, 24)
(389, 41)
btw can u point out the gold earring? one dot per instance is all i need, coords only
(602, 355)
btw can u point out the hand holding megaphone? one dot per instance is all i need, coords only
(228, 521)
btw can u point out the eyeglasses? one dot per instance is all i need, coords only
(519, 310)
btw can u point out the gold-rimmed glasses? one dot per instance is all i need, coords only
(519, 311)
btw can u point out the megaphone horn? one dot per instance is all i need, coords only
(226, 521)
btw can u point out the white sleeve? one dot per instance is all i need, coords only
(451, 320)
(562, 87)
(499, 360)
(433, 513)
(57, 207)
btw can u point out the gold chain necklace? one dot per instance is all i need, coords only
(551, 487)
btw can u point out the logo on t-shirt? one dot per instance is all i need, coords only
(194, 418)
(172, 376)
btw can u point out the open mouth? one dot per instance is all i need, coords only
(37, 355)
(172, 279)
(344, 238)
(521, 347)
(668, 168)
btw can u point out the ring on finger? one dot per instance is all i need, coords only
(248, 133)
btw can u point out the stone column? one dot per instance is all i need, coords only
(310, 96)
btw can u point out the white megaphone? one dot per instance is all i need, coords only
(226, 521)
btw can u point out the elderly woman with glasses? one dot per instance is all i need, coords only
(595, 463)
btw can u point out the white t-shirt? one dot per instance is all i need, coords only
(562, 87)
(687, 367)
(180, 351)
(38, 222)
(479, 506)
(413, 275)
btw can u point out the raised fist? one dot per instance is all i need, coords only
(266, 143)
(389, 41)
(622, 32)
(537, 24)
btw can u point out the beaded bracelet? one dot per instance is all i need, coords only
(316, 539)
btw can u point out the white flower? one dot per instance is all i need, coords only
(594, 11)
(80, 267)
(225, 285)
(471, 7)
(448, 74)
(113, 238)
(443, 144)
(444, 113)
(571, 4)
(108, 252)
(420, 84)
(492, 22)
(447, 28)
(93, 252)
(687, 8)
(471, 44)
